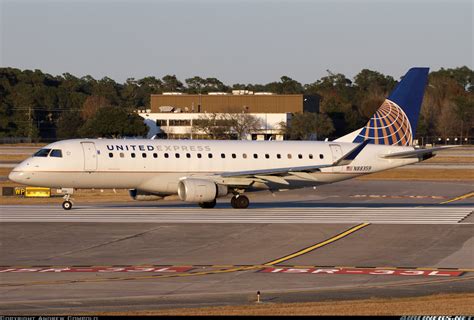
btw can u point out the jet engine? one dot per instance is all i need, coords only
(200, 190)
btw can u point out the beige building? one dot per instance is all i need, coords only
(171, 114)
(249, 102)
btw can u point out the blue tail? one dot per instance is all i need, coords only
(395, 121)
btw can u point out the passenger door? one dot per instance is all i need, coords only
(90, 156)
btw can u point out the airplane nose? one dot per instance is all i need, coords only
(13, 176)
(18, 177)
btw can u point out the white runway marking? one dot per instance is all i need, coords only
(129, 214)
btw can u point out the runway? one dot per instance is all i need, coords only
(275, 214)
(352, 240)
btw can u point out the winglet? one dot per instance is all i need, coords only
(351, 155)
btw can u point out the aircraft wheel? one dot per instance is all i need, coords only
(208, 205)
(240, 202)
(67, 205)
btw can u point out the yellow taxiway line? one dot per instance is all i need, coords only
(318, 245)
(464, 196)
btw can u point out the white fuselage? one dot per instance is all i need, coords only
(158, 165)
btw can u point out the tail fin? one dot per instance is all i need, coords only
(395, 121)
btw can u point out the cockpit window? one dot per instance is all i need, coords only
(56, 153)
(42, 153)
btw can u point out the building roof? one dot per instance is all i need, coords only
(251, 103)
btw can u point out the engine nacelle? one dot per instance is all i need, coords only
(200, 190)
(141, 195)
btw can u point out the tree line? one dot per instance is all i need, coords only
(42, 106)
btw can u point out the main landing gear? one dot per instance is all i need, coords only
(208, 205)
(239, 201)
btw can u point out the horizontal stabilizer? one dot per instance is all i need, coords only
(417, 153)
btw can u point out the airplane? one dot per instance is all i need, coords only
(200, 171)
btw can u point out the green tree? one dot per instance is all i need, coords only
(463, 76)
(92, 104)
(372, 88)
(214, 84)
(68, 125)
(367, 80)
(171, 83)
(438, 112)
(148, 86)
(304, 126)
(130, 94)
(114, 122)
(464, 111)
(195, 84)
(285, 86)
(108, 89)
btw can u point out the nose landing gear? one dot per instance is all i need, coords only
(67, 203)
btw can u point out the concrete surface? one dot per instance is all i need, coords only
(213, 250)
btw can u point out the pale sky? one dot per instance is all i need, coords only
(235, 41)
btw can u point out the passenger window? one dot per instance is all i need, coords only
(167, 155)
(278, 156)
(133, 155)
(310, 156)
(199, 155)
(289, 155)
(321, 156)
(188, 155)
(122, 155)
(111, 155)
(255, 156)
(56, 153)
(176, 155)
(223, 155)
(209, 155)
(155, 155)
(234, 156)
(42, 153)
(244, 155)
(300, 156)
(143, 155)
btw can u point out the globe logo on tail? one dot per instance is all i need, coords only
(388, 126)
